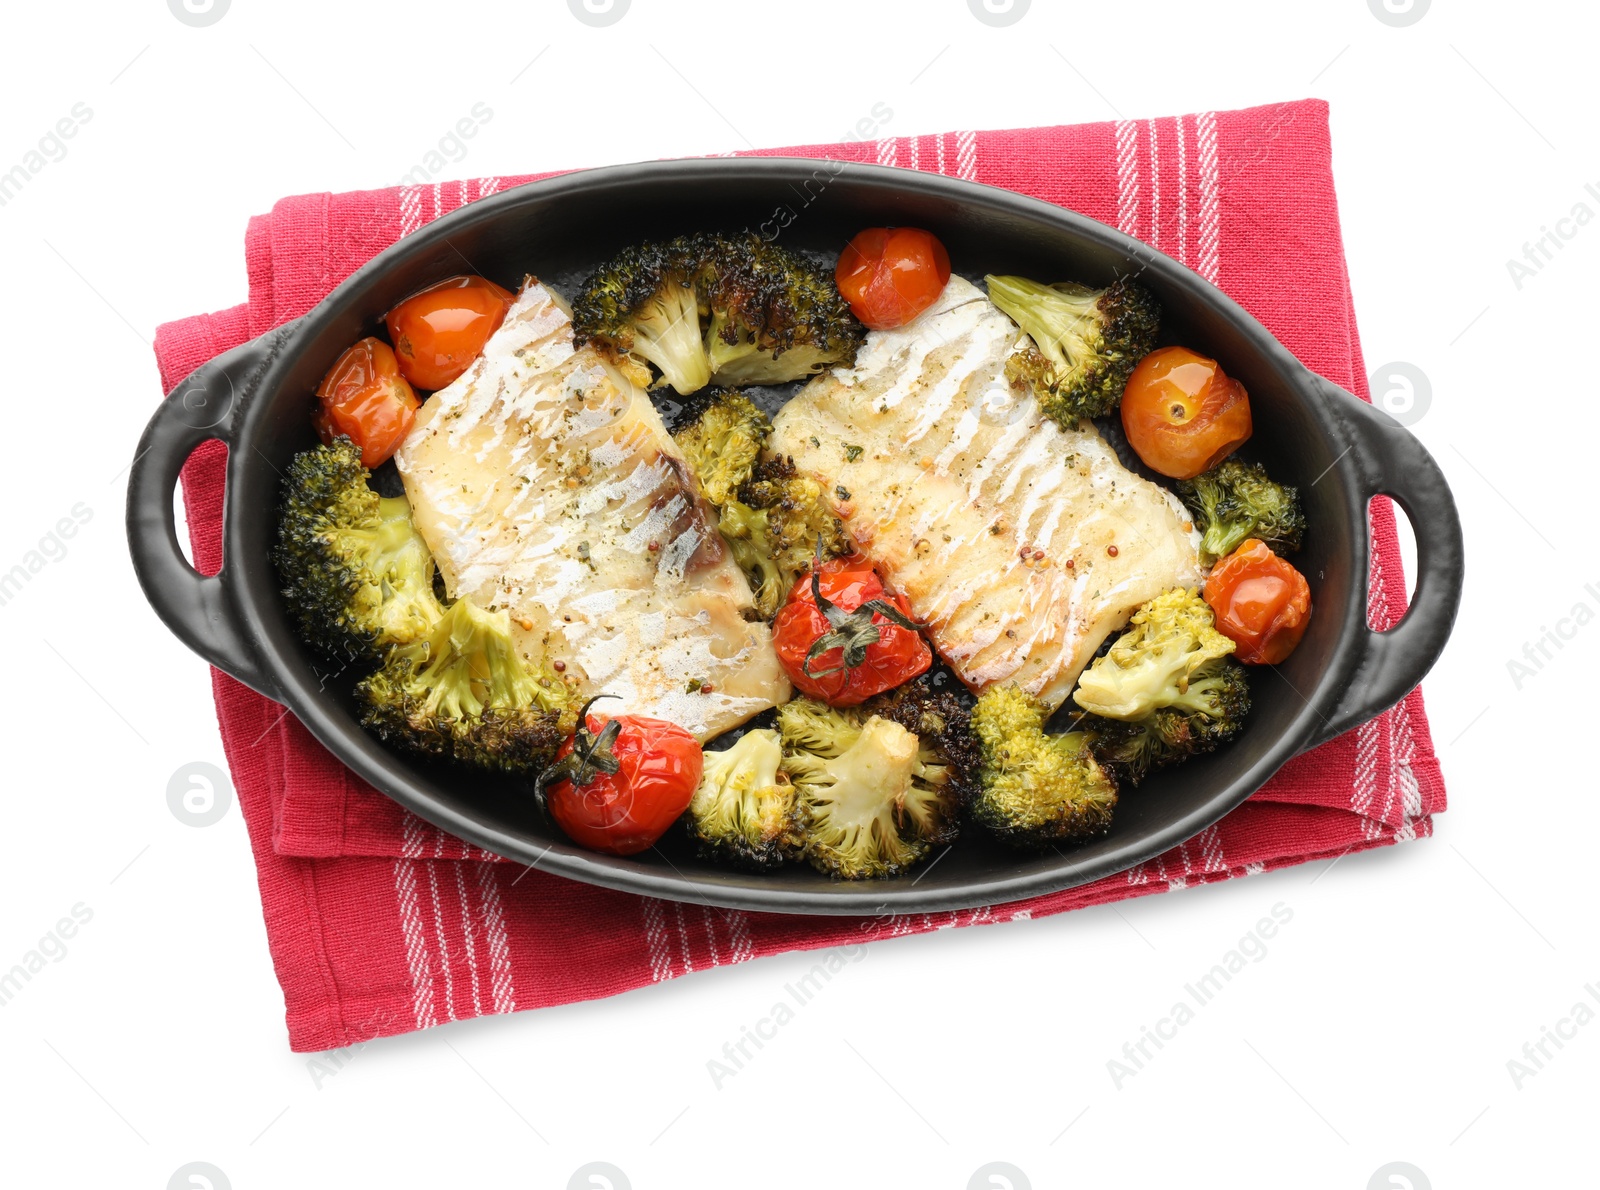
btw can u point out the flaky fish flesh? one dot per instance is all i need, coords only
(545, 483)
(1021, 545)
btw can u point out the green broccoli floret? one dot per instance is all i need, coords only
(748, 532)
(1211, 712)
(1085, 342)
(1036, 789)
(1165, 690)
(1171, 642)
(1235, 501)
(874, 798)
(356, 576)
(784, 515)
(770, 517)
(744, 809)
(462, 691)
(731, 309)
(721, 434)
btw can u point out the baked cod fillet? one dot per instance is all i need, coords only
(545, 482)
(1022, 546)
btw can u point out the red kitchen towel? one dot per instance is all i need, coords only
(380, 923)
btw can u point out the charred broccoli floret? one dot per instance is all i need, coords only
(873, 798)
(1036, 789)
(1085, 341)
(644, 303)
(1166, 690)
(744, 809)
(770, 516)
(1211, 712)
(462, 691)
(731, 309)
(942, 724)
(749, 536)
(772, 315)
(721, 436)
(356, 575)
(1171, 642)
(1235, 501)
(774, 528)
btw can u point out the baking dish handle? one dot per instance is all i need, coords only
(1391, 462)
(198, 609)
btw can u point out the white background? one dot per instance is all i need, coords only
(1379, 1026)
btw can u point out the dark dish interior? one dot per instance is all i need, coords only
(559, 234)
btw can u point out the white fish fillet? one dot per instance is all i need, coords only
(959, 476)
(545, 482)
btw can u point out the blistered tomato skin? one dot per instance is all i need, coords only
(1260, 602)
(624, 813)
(366, 399)
(1182, 413)
(889, 275)
(847, 585)
(439, 332)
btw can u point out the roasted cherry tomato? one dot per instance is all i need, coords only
(618, 784)
(439, 332)
(889, 275)
(364, 398)
(1261, 603)
(842, 638)
(1182, 413)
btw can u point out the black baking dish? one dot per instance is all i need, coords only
(1339, 450)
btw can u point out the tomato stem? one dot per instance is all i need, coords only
(591, 755)
(853, 632)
